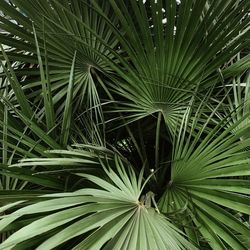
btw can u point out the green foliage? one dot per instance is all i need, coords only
(124, 125)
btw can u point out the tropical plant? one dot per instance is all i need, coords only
(124, 124)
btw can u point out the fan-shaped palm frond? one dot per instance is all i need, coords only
(110, 215)
(204, 182)
(124, 124)
(60, 32)
(170, 62)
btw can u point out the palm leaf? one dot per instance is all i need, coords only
(203, 172)
(110, 213)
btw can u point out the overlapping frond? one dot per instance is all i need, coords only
(111, 215)
(92, 92)
(206, 183)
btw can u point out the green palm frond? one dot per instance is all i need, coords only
(55, 25)
(205, 178)
(124, 124)
(171, 62)
(110, 215)
(239, 101)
